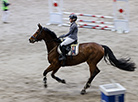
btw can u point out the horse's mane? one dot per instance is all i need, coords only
(53, 35)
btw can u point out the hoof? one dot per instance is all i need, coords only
(63, 81)
(83, 92)
(44, 80)
(45, 86)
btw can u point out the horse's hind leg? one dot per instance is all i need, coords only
(93, 72)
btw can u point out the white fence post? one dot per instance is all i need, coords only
(55, 12)
(121, 16)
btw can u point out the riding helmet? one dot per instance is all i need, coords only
(73, 16)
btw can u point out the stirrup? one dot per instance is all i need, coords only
(61, 58)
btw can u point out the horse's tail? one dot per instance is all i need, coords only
(123, 64)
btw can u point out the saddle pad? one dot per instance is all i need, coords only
(73, 52)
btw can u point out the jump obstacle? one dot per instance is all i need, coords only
(118, 22)
(91, 24)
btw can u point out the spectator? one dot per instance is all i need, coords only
(5, 9)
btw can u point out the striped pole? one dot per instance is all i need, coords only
(99, 28)
(89, 21)
(91, 27)
(88, 15)
(95, 25)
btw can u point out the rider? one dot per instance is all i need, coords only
(71, 36)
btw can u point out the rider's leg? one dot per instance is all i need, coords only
(63, 55)
(66, 42)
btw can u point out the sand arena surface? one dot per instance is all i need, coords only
(22, 63)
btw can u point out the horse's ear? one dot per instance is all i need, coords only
(39, 25)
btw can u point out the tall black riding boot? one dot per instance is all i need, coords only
(63, 55)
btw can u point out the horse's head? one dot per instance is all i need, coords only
(44, 33)
(38, 35)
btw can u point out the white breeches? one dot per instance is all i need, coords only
(5, 16)
(67, 41)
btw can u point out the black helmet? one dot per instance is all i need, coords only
(73, 16)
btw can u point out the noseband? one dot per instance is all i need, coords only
(37, 35)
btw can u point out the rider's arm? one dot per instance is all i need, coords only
(70, 31)
(72, 28)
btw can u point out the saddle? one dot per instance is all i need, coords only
(71, 50)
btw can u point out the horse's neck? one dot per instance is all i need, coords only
(50, 44)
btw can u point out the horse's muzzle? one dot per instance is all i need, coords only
(31, 40)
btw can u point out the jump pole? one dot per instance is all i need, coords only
(91, 21)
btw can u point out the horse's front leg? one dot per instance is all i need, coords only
(57, 78)
(50, 68)
(54, 68)
(45, 82)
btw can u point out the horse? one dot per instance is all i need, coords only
(91, 53)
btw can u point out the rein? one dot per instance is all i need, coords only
(56, 39)
(51, 40)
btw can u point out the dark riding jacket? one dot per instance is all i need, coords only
(73, 31)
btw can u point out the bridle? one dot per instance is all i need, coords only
(36, 38)
(37, 35)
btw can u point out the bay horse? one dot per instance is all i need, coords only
(91, 53)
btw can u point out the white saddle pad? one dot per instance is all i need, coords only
(74, 50)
